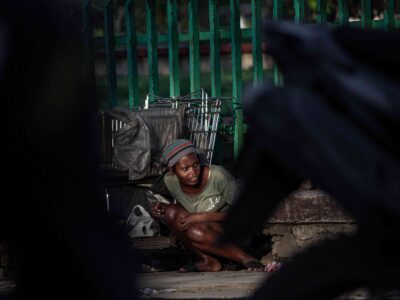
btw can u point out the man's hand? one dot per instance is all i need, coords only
(157, 209)
(189, 220)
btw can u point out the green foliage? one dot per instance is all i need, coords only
(331, 9)
(312, 4)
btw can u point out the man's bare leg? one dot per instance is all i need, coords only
(202, 238)
(172, 214)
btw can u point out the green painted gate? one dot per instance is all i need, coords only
(214, 36)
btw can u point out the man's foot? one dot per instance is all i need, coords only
(208, 265)
(254, 265)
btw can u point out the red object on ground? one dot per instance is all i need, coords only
(272, 267)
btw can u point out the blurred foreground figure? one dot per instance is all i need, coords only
(51, 212)
(336, 121)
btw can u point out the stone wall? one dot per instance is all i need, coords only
(304, 218)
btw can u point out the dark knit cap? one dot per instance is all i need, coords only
(176, 150)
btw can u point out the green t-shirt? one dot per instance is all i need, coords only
(218, 194)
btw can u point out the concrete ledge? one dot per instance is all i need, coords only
(304, 218)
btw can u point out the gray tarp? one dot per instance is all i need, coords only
(138, 146)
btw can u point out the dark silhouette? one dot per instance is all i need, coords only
(336, 122)
(54, 215)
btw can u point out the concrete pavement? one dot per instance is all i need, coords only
(200, 285)
(219, 285)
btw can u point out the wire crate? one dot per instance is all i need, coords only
(202, 115)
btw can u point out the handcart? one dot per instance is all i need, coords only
(201, 118)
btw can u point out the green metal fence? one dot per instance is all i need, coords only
(214, 36)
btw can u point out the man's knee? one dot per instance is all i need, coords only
(199, 233)
(172, 212)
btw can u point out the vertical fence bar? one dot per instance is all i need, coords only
(88, 36)
(366, 10)
(215, 46)
(321, 11)
(256, 41)
(133, 86)
(389, 14)
(277, 15)
(236, 74)
(152, 46)
(343, 6)
(299, 11)
(110, 52)
(173, 48)
(277, 12)
(194, 46)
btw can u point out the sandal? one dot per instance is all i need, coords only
(254, 265)
(231, 266)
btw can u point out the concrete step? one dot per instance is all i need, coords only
(151, 243)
